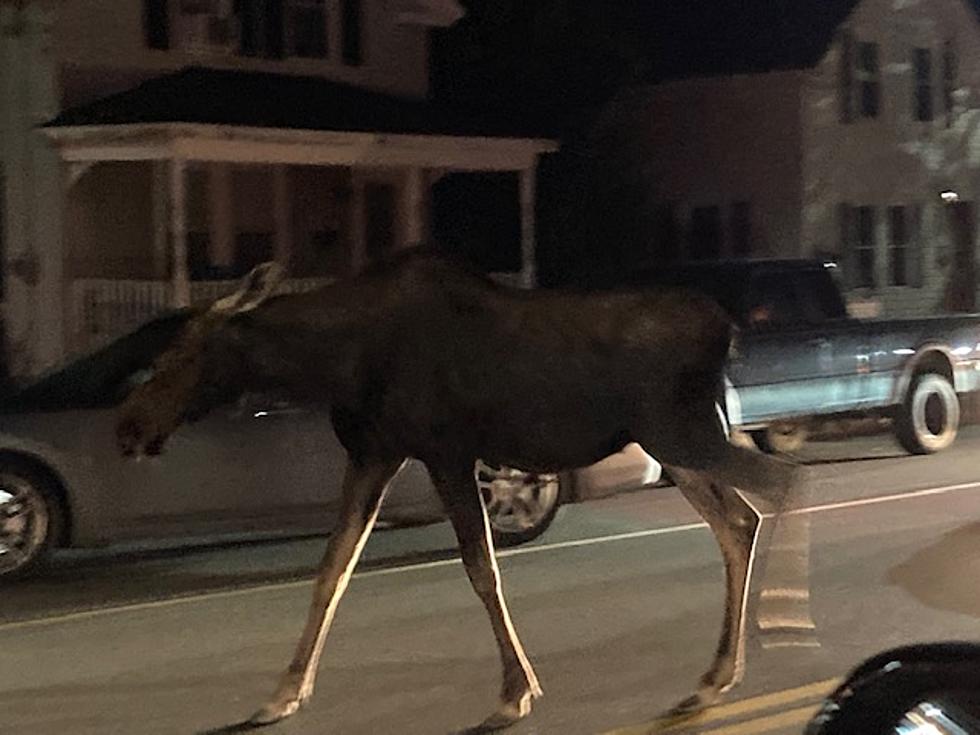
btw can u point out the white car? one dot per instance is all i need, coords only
(260, 465)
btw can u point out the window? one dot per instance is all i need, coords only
(846, 88)
(922, 63)
(949, 80)
(898, 241)
(252, 249)
(307, 23)
(740, 229)
(705, 240)
(869, 79)
(262, 28)
(156, 24)
(206, 25)
(353, 52)
(865, 248)
(666, 238)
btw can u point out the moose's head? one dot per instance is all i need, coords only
(198, 371)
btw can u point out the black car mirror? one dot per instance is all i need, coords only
(928, 688)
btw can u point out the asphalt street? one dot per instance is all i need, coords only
(619, 607)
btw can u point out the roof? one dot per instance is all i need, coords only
(264, 100)
(685, 39)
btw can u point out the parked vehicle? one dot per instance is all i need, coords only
(924, 688)
(799, 357)
(260, 465)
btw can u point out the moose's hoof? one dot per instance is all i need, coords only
(510, 711)
(275, 711)
(694, 705)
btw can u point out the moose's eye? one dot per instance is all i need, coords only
(140, 377)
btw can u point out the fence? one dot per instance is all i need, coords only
(104, 309)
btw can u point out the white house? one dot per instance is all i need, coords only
(150, 151)
(826, 128)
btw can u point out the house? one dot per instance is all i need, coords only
(150, 151)
(840, 129)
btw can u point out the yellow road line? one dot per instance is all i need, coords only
(789, 718)
(734, 709)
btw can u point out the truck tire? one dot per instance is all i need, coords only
(929, 417)
(781, 437)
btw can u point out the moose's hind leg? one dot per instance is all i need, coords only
(467, 512)
(735, 525)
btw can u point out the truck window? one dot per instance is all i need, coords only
(772, 301)
(819, 296)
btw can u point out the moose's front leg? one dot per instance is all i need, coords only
(364, 489)
(467, 512)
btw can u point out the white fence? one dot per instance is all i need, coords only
(104, 309)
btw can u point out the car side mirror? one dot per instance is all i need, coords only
(923, 688)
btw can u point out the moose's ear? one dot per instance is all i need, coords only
(256, 287)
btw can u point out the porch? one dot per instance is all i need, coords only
(162, 215)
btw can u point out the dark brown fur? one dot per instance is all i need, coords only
(420, 358)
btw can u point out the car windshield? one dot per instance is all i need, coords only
(100, 379)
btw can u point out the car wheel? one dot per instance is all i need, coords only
(520, 505)
(783, 437)
(31, 518)
(929, 418)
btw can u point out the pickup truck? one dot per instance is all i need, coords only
(799, 358)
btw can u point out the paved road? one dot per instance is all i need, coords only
(619, 607)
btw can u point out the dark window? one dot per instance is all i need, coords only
(308, 28)
(262, 28)
(820, 298)
(705, 240)
(667, 237)
(198, 257)
(252, 249)
(869, 77)
(380, 206)
(740, 226)
(329, 257)
(156, 24)
(949, 80)
(772, 300)
(922, 62)
(898, 242)
(352, 32)
(846, 88)
(865, 248)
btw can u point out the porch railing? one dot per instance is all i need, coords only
(104, 309)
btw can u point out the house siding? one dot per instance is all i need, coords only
(894, 159)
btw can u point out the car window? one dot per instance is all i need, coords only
(772, 301)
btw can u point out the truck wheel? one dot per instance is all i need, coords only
(929, 417)
(780, 438)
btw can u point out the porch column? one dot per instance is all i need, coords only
(180, 282)
(411, 214)
(282, 214)
(528, 188)
(221, 215)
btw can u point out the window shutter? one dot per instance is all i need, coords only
(156, 24)
(847, 224)
(845, 91)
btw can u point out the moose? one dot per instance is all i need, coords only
(421, 357)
